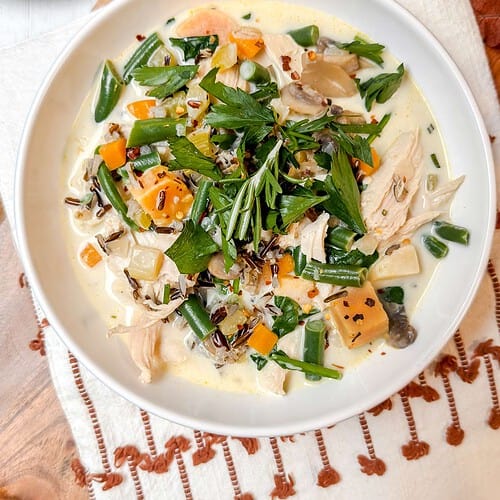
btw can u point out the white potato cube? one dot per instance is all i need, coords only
(401, 262)
(145, 263)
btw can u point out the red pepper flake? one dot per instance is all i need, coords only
(492, 138)
(312, 293)
(355, 337)
(285, 63)
(346, 304)
(338, 366)
(373, 119)
(133, 153)
(369, 302)
(295, 75)
(194, 104)
(358, 317)
(346, 316)
(195, 123)
(383, 353)
(140, 38)
(311, 55)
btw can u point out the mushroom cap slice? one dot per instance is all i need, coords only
(303, 99)
(328, 79)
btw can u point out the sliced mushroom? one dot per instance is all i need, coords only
(351, 118)
(216, 267)
(303, 99)
(401, 333)
(348, 62)
(329, 79)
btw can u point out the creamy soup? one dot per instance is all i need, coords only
(264, 238)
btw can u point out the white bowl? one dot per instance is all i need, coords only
(43, 246)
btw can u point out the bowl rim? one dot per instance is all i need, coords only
(21, 238)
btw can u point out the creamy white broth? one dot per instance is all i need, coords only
(110, 294)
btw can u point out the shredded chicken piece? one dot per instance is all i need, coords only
(142, 344)
(407, 230)
(312, 239)
(272, 378)
(387, 198)
(284, 54)
(443, 194)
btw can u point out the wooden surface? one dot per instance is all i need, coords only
(35, 439)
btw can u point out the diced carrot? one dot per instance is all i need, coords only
(141, 109)
(249, 41)
(286, 265)
(369, 169)
(163, 196)
(90, 256)
(114, 153)
(262, 339)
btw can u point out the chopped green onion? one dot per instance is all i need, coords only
(141, 56)
(435, 160)
(254, 72)
(236, 286)
(109, 188)
(340, 237)
(247, 16)
(335, 274)
(109, 92)
(306, 36)
(166, 294)
(436, 247)
(314, 345)
(451, 232)
(431, 182)
(197, 317)
(154, 130)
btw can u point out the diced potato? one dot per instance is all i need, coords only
(231, 324)
(359, 316)
(145, 263)
(401, 262)
(119, 247)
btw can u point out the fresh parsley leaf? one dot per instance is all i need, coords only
(169, 21)
(381, 88)
(225, 141)
(289, 318)
(394, 294)
(192, 250)
(363, 128)
(293, 207)
(364, 49)
(324, 160)
(187, 156)
(191, 46)
(247, 16)
(344, 199)
(166, 79)
(259, 360)
(238, 109)
(265, 92)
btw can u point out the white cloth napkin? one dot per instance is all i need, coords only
(436, 439)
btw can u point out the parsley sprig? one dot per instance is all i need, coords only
(364, 49)
(381, 88)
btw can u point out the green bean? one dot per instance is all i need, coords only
(154, 130)
(306, 36)
(254, 72)
(309, 368)
(335, 274)
(451, 232)
(197, 317)
(436, 247)
(109, 92)
(314, 345)
(141, 55)
(166, 294)
(149, 160)
(200, 202)
(111, 191)
(300, 261)
(340, 237)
